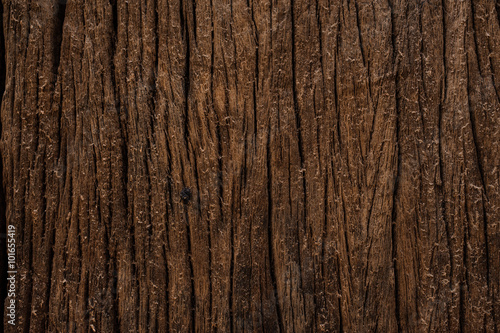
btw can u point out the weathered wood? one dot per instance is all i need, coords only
(341, 158)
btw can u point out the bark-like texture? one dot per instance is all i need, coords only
(342, 157)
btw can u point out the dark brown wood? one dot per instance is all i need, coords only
(341, 158)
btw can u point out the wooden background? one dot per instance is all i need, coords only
(343, 158)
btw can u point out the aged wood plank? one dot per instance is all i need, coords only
(252, 166)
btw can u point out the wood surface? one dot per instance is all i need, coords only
(342, 159)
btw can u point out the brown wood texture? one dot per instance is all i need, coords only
(343, 160)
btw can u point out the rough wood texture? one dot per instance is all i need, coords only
(343, 159)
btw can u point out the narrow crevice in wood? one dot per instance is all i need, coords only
(270, 237)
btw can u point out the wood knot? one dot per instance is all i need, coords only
(186, 194)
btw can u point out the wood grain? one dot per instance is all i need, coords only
(342, 158)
